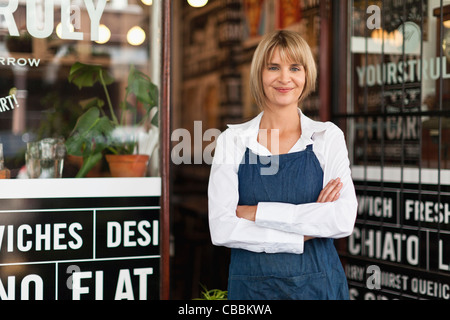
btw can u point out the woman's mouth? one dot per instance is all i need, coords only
(284, 90)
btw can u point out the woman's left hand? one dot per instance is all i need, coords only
(246, 212)
(331, 192)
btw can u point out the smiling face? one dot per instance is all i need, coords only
(283, 81)
(283, 67)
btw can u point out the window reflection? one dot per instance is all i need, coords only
(399, 70)
(37, 101)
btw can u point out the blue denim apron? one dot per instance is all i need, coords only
(315, 274)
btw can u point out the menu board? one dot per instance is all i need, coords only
(389, 68)
(81, 248)
(400, 245)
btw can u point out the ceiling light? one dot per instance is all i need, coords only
(104, 34)
(136, 36)
(197, 3)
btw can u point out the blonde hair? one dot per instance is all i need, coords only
(292, 47)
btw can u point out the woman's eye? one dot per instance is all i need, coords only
(276, 68)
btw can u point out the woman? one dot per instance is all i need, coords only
(280, 187)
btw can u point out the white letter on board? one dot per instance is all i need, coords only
(36, 28)
(124, 282)
(7, 12)
(95, 14)
(114, 234)
(66, 33)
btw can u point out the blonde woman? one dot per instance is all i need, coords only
(280, 187)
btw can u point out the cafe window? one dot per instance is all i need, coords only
(398, 129)
(79, 83)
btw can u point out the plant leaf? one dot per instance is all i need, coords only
(88, 163)
(213, 294)
(92, 102)
(84, 75)
(89, 137)
(141, 86)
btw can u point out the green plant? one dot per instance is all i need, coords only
(213, 294)
(59, 116)
(92, 135)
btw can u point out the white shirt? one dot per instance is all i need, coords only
(279, 227)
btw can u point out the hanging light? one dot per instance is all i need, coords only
(136, 36)
(59, 29)
(147, 2)
(197, 3)
(447, 24)
(104, 34)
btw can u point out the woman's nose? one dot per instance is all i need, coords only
(284, 76)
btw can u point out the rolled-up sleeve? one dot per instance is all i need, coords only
(223, 196)
(322, 220)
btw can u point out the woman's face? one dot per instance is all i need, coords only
(283, 81)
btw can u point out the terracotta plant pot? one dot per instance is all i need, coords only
(133, 165)
(95, 172)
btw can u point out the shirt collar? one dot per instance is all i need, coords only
(248, 132)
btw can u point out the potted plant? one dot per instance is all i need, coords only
(95, 133)
(213, 294)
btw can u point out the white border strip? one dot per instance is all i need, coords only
(394, 174)
(78, 210)
(80, 188)
(157, 256)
